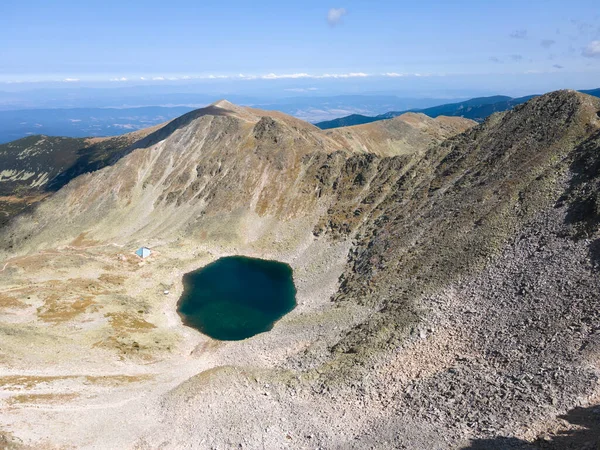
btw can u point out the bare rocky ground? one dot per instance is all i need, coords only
(447, 297)
(117, 355)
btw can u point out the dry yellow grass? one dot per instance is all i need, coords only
(6, 301)
(112, 279)
(56, 309)
(18, 382)
(115, 380)
(26, 382)
(41, 398)
(82, 241)
(128, 322)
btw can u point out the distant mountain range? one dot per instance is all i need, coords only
(477, 109)
(83, 122)
(316, 108)
(71, 116)
(79, 122)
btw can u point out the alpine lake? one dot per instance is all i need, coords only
(237, 297)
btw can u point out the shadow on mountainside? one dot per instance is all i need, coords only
(584, 434)
(72, 157)
(595, 254)
(109, 152)
(176, 124)
(583, 193)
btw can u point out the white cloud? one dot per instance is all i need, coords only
(342, 75)
(293, 76)
(398, 75)
(286, 76)
(335, 16)
(592, 50)
(283, 76)
(310, 89)
(272, 76)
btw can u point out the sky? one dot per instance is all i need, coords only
(506, 46)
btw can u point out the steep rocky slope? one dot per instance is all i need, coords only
(34, 166)
(447, 296)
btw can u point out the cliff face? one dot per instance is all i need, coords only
(445, 293)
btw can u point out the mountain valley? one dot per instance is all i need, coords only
(446, 274)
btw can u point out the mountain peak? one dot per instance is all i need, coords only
(224, 104)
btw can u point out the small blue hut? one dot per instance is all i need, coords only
(143, 252)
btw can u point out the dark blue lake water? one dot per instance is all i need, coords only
(237, 297)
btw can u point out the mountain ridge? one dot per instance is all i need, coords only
(476, 109)
(38, 165)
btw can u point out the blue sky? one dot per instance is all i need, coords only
(510, 44)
